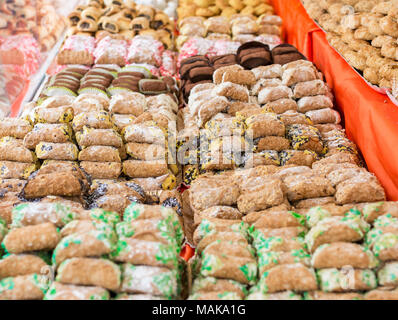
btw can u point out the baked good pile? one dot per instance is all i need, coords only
(131, 152)
(364, 32)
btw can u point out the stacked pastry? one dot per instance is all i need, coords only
(382, 239)
(25, 271)
(240, 28)
(225, 262)
(342, 265)
(121, 21)
(101, 146)
(364, 32)
(150, 239)
(210, 8)
(65, 82)
(38, 18)
(17, 162)
(83, 271)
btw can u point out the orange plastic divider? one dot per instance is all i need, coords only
(16, 106)
(371, 119)
(187, 252)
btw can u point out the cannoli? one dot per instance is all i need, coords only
(11, 185)
(155, 281)
(164, 182)
(293, 76)
(12, 149)
(319, 295)
(16, 170)
(144, 133)
(281, 106)
(322, 116)
(271, 94)
(317, 102)
(59, 291)
(265, 124)
(241, 269)
(359, 189)
(371, 211)
(144, 169)
(149, 230)
(334, 280)
(385, 247)
(310, 88)
(64, 100)
(45, 132)
(90, 244)
(32, 238)
(144, 151)
(58, 180)
(26, 287)
(387, 275)
(137, 211)
(220, 212)
(57, 151)
(307, 186)
(314, 202)
(116, 203)
(335, 229)
(296, 277)
(291, 117)
(128, 103)
(273, 71)
(340, 254)
(382, 293)
(53, 115)
(98, 137)
(93, 119)
(261, 196)
(280, 219)
(217, 295)
(74, 18)
(232, 91)
(102, 170)
(316, 214)
(14, 265)
(229, 236)
(210, 284)
(90, 272)
(226, 194)
(212, 225)
(144, 252)
(58, 213)
(14, 127)
(100, 154)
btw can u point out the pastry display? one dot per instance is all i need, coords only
(232, 145)
(37, 18)
(364, 33)
(239, 27)
(120, 21)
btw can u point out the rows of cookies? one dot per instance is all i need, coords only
(108, 80)
(241, 28)
(71, 253)
(120, 20)
(37, 18)
(290, 204)
(270, 115)
(226, 8)
(364, 32)
(279, 244)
